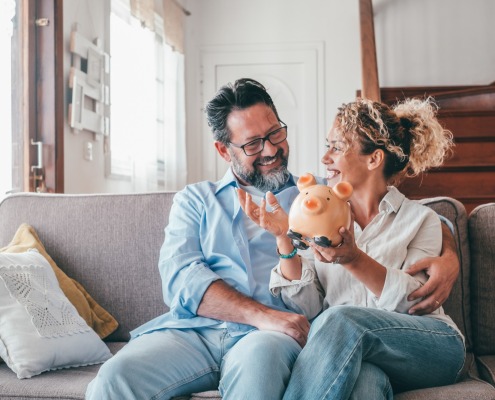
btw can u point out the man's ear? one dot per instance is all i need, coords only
(377, 158)
(223, 151)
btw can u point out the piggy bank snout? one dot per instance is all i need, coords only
(312, 205)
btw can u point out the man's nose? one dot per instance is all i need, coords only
(269, 149)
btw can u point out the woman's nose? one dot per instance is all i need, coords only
(326, 159)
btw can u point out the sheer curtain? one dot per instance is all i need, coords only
(175, 156)
(148, 105)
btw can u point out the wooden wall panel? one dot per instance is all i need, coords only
(470, 188)
(469, 113)
(472, 155)
(469, 125)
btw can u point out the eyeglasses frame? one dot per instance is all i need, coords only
(263, 140)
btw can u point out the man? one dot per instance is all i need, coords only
(224, 330)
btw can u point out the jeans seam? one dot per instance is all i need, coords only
(346, 363)
(185, 380)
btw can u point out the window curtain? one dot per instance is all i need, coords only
(144, 11)
(173, 21)
(175, 162)
(170, 24)
(171, 12)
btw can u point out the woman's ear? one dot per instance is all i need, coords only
(223, 151)
(377, 158)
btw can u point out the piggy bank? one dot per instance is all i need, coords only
(318, 212)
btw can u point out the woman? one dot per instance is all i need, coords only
(364, 345)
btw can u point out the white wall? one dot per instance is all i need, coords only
(242, 22)
(435, 42)
(419, 42)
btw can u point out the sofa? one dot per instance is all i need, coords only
(109, 244)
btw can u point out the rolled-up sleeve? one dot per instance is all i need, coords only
(399, 284)
(304, 296)
(184, 273)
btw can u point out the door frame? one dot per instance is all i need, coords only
(41, 100)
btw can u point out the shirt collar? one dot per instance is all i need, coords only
(392, 201)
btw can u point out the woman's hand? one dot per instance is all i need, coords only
(276, 222)
(364, 268)
(345, 253)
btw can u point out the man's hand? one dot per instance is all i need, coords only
(224, 303)
(442, 271)
(294, 325)
(276, 222)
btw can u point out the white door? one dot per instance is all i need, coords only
(293, 77)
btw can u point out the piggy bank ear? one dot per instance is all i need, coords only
(343, 190)
(305, 181)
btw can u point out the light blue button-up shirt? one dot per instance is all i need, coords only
(206, 240)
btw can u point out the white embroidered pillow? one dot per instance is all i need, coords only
(40, 329)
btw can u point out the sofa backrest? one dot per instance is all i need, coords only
(109, 243)
(458, 305)
(482, 241)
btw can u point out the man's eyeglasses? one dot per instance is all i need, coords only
(257, 145)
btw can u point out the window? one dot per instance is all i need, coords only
(140, 86)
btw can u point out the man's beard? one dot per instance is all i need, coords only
(271, 181)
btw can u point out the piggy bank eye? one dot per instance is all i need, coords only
(328, 198)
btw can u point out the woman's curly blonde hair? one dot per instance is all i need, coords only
(409, 133)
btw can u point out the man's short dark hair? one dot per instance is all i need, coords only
(241, 94)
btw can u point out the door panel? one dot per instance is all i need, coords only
(292, 75)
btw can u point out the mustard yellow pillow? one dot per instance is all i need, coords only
(95, 316)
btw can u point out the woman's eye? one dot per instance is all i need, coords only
(333, 149)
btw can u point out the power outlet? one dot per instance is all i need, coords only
(88, 151)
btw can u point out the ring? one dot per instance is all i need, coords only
(438, 303)
(275, 207)
(337, 261)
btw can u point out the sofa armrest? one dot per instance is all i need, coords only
(486, 368)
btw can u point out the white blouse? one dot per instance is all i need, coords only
(402, 233)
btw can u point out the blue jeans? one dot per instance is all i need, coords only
(172, 362)
(362, 353)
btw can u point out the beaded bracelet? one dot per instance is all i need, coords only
(290, 255)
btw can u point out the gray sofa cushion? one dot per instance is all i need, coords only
(108, 243)
(482, 237)
(63, 384)
(111, 243)
(468, 389)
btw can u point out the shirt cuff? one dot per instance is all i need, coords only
(279, 282)
(191, 295)
(395, 291)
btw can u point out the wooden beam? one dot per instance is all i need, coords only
(369, 67)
